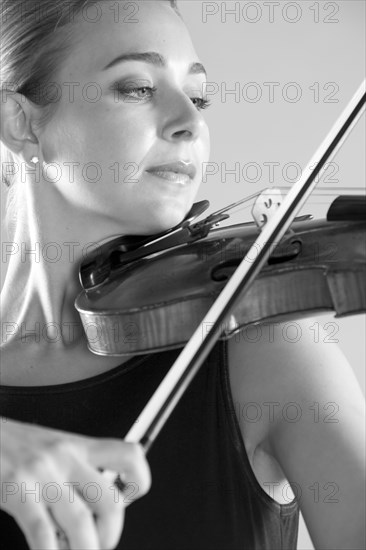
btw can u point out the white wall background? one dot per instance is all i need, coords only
(319, 47)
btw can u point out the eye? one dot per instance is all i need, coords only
(133, 93)
(136, 93)
(200, 102)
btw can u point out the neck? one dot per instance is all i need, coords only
(51, 239)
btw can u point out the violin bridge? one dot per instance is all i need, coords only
(266, 205)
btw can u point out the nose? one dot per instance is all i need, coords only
(181, 119)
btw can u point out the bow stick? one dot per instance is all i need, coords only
(161, 404)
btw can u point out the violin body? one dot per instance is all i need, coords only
(157, 302)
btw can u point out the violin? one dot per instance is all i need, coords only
(148, 298)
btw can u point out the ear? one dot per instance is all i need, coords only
(16, 133)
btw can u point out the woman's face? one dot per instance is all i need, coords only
(105, 134)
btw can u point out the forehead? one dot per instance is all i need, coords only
(126, 27)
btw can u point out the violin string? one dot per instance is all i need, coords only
(318, 191)
(332, 191)
(242, 204)
(237, 203)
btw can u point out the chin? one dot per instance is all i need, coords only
(163, 218)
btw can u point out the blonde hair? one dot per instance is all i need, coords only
(36, 39)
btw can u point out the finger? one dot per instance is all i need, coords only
(110, 526)
(76, 520)
(106, 502)
(126, 458)
(37, 525)
(113, 454)
(128, 490)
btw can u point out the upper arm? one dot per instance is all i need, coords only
(317, 432)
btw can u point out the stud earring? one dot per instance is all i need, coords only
(34, 160)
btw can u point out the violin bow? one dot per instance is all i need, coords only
(163, 401)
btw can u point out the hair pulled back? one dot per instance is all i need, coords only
(37, 36)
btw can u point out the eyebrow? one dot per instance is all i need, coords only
(154, 58)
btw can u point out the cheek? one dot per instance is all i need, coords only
(116, 147)
(116, 136)
(126, 144)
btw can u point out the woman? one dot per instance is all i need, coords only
(91, 90)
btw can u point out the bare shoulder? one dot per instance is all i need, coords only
(311, 419)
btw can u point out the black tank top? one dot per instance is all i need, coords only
(204, 495)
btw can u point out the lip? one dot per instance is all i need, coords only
(172, 170)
